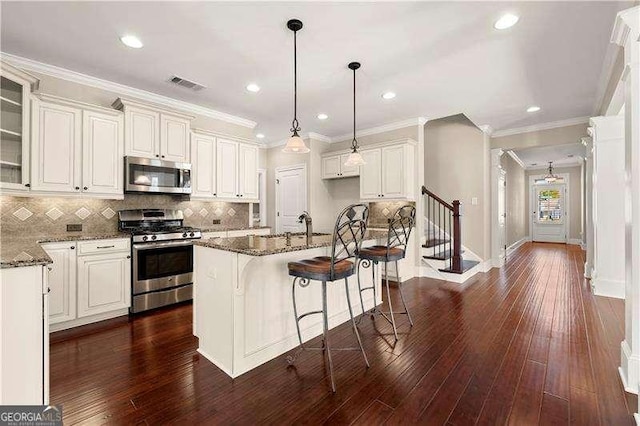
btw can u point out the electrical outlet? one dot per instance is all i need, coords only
(74, 227)
(216, 221)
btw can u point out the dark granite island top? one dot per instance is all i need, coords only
(265, 245)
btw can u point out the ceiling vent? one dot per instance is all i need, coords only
(187, 84)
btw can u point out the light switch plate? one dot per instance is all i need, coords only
(474, 201)
(216, 221)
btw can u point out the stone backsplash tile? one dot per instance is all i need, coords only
(50, 215)
(380, 211)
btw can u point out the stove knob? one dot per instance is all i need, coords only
(153, 237)
(184, 235)
(145, 238)
(192, 234)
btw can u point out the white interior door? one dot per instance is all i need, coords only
(291, 198)
(502, 214)
(549, 221)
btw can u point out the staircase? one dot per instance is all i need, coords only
(442, 253)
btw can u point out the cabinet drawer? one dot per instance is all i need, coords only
(103, 246)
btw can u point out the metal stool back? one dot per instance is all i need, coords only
(399, 231)
(348, 233)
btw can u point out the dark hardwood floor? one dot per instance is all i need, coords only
(527, 344)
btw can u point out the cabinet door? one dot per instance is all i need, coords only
(203, 178)
(102, 144)
(227, 169)
(174, 138)
(331, 167)
(104, 283)
(62, 281)
(142, 138)
(248, 171)
(57, 136)
(393, 171)
(347, 170)
(370, 185)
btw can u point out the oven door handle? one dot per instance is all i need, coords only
(150, 246)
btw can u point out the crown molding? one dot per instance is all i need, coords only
(418, 121)
(318, 137)
(516, 158)
(626, 27)
(543, 126)
(576, 163)
(122, 90)
(486, 129)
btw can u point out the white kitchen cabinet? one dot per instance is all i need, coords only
(151, 132)
(24, 336)
(174, 138)
(102, 142)
(227, 168)
(371, 174)
(203, 155)
(104, 283)
(333, 167)
(389, 173)
(57, 139)
(248, 172)
(62, 281)
(15, 112)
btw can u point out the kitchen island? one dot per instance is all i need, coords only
(242, 303)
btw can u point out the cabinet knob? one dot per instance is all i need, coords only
(77, 188)
(28, 185)
(85, 188)
(162, 156)
(48, 289)
(128, 256)
(215, 195)
(157, 155)
(73, 247)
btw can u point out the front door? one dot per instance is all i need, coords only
(549, 217)
(291, 198)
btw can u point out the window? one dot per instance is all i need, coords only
(549, 206)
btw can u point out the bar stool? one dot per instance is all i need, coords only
(348, 234)
(400, 227)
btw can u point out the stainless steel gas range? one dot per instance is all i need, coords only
(162, 253)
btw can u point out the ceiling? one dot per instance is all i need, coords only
(560, 155)
(441, 58)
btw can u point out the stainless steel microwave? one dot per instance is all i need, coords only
(157, 176)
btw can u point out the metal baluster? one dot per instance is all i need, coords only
(450, 246)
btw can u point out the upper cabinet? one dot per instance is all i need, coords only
(203, 155)
(155, 133)
(248, 171)
(389, 172)
(333, 167)
(76, 148)
(15, 89)
(227, 168)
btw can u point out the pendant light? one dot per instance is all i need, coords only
(295, 143)
(550, 177)
(354, 159)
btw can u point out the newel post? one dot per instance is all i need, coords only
(456, 260)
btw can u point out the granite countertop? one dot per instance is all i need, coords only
(216, 228)
(27, 250)
(265, 245)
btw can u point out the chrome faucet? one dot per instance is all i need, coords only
(307, 220)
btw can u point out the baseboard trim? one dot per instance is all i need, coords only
(608, 288)
(575, 241)
(636, 417)
(517, 244)
(87, 320)
(629, 368)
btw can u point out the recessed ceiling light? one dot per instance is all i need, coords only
(131, 41)
(507, 20)
(260, 136)
(322, 116)
(533, 108)
(252, 87)
(388, 95)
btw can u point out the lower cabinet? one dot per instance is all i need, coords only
(24, 336)
(89, 280)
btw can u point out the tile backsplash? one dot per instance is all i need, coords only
(381, 211)
(50, 215)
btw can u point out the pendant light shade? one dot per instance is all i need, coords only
(295, 143)
(354, 159)
(550, 177)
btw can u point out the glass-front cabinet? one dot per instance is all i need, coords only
(15, 90)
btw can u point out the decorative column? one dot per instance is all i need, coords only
(588, 181)
(626, 33)
(497, 235)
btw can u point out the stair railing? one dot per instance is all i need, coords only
(444, 220)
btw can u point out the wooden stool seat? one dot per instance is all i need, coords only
(381, 253)
(319, 268)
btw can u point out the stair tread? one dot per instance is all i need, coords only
(466, 265)
(434, 242)
(443, 255)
